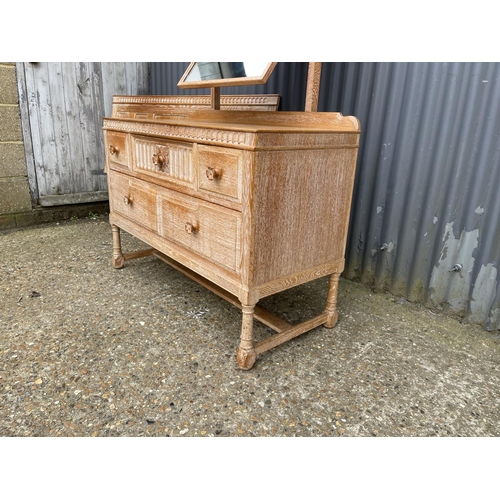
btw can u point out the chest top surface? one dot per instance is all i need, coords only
(249, 129)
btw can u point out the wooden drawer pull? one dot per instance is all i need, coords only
(190, 228)
(113, 150)
(127, 200)
(212, 173)
(158, 160)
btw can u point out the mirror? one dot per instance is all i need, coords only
(225, 74)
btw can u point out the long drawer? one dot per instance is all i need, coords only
(205, 228)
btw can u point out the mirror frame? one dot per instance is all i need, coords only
(225, 82)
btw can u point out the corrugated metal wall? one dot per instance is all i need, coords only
(427, 195)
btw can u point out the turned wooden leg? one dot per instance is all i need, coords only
(245, 355)
(118, 259)
(331, 301)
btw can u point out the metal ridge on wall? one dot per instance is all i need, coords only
(425, 219)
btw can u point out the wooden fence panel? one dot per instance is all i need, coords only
(64, 103)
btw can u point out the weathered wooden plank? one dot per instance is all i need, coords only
(85, 111)
(45, 154)
(25, 123)
(108, 86)
(60, 182)
(142, 79)
(130, 77)
(70, 199)
(33, 120)
(98, 181)
(64, 104)
(120, 86)
(77, 152)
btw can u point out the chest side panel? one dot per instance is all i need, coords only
(301, 210)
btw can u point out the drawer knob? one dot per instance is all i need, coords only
(190, 228)
(127, 200)
(212, 173)
(113, 150)
(158, 160)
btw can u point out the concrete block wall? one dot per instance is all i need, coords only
(14, 189)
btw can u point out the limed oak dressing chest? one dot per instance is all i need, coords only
(247, 203)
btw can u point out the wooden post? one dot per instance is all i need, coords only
(313, 81)
(331, 301)
(215, 97)
(245, 355)
(118, 259)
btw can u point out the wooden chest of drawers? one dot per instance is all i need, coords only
(247, 203)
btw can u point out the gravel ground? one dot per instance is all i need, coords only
(87, 350)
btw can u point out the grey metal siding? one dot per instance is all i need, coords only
(427, 185)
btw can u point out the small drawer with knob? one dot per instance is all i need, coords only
(204, 228)
(117, 149)
(163, 159)
(220, 171)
